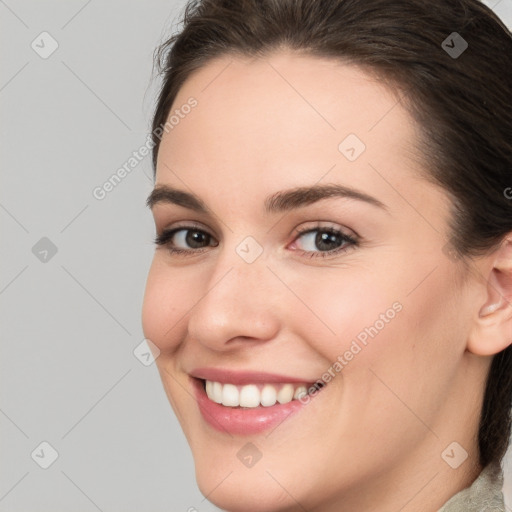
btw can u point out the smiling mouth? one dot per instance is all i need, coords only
(249, 403)
(250, 396)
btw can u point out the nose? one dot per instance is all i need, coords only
(238, 304)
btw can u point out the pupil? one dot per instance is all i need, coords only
(326, 240)
(195, 238)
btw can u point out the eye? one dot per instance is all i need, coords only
(324, 241)
(184, 239)
(316, 242)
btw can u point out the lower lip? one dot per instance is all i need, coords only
(231, 420)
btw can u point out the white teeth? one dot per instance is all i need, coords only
(230, 395)
(252, 395)
(268, 395)
(285, 394)
(249, 396)
(216, 392)
(300, 392)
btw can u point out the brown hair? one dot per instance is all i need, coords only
(462, 103)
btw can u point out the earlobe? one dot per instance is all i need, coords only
(492, 328)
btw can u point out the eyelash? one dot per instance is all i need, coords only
(164, 238)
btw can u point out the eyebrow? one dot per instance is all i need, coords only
(282, 201)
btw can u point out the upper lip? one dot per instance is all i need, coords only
(237, 377)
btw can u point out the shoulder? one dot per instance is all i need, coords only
(485, 493)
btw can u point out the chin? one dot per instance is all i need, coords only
(245, 493)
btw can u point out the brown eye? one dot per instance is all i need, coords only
(193, 238)
(324, 240)
(184, 239)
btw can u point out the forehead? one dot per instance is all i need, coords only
(273, 121)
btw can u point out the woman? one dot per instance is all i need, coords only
(330, 295)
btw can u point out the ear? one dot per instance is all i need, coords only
(492, 323)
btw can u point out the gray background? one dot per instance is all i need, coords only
(71, 322)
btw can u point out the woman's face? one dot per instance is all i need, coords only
(278, 287)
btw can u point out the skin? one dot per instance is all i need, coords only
(372, 439)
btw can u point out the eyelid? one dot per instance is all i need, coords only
(326, 225)
(298, 230)
(184, 224)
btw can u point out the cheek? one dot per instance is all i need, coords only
(346, 311)
(383, 322)
(167, 298)
(413, 358)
